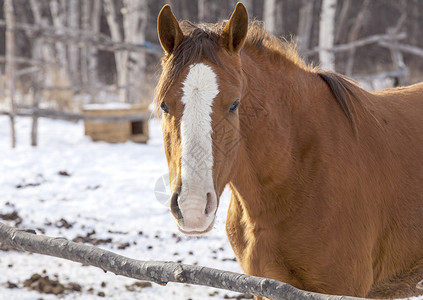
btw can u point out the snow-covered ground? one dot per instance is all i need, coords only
(69, 186)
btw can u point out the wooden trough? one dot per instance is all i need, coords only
(116, 122)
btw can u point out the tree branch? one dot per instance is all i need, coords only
(158, 272)
(377, 38)
(406, 48)
(81, 37)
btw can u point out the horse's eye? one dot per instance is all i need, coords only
(234, 106)
(164, 107)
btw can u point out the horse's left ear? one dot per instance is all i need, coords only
(235, 30)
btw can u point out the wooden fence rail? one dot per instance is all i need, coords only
(54, 114)
(158, 272)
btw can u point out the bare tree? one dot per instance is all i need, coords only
(305, 24)
(326, 34)
(396, 54)
(95, 17)
(58, 75)
(135, 24)
(130, 67)
(84, 51)
(10, 64)
(58, 15)
(279, 18)
(342, 20)
(73, 50)
(201, 10)
(269, 17)
(37, 81)
(359, 21)
(121, 57)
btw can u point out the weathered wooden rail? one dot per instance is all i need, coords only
(158, 272)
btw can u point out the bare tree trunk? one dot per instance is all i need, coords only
(93, 51)
(35, 106)
(279, 29)
(37, 82)
(58, 17)
(59, 75)
(36, 11)
(201, 10)
(36, 78)
(396, 54)
(121, 57)
(342, 20)
(159, 272)
(85, 24)
(269, 15)
(354, 35)
(10, 64)
(73, 23)
(38, 45)
(305, 24)
(326, 34)
(134, 28)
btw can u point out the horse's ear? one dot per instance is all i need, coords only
(170, 34)
(236, 29)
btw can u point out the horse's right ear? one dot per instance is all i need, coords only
(170, 34)
(236, 29)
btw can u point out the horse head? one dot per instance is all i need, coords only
(199, 93)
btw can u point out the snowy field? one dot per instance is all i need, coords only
(100, 193)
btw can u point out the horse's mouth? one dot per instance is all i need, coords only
(195, 232)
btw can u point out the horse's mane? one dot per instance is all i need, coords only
(201, 41)
(260, 40)
(344, 91)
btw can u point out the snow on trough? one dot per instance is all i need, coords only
(100, 193)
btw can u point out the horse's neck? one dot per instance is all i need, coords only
(282, 111)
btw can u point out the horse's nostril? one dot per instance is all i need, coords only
(174, 206)
(209, 205)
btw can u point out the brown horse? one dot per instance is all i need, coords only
(326, 178)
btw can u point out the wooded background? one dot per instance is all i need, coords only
(72, 52)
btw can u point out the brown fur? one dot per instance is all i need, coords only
(314, 203)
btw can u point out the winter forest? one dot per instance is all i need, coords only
(74, 52)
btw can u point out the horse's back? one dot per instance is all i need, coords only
(399, 116)
(404, 103)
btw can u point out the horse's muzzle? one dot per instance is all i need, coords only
(194, 215)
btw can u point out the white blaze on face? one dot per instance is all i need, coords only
(199, 90)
